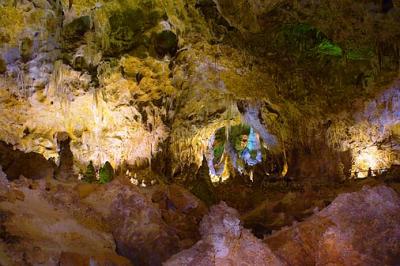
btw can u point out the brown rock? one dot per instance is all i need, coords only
(36, 230)
(14, 195)
(75, 259)
(225, 242)
(37, 255)
(183, 200)
(360, 228)
(183, 211)
(19, 195)
(31, 165)
(140, 232)
(4, 184)
(34, 185)
(85, 190)
(158, 196)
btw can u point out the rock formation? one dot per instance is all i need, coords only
(153, 91)
(360, 228)
(225, 242)
(52, 223)
(123, 121)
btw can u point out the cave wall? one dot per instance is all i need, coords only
(30, 165)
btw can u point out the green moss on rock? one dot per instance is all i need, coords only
(327, 47)
(360, 54)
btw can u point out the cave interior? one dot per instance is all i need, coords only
(199, 132)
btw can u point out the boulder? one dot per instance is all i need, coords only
(55, 228)
(359, 228)
(225, 242)
(140, 233)
(185, 201)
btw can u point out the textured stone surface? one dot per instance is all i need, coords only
(52, 222)
(140, 234)
(246, 15)
(31, 165)
(139, 81)
(359, 228)
(45, 224)
(148, 226)
(225, 242)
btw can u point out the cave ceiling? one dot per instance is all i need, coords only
(142, 82)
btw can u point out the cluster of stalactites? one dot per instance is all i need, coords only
(231, 158)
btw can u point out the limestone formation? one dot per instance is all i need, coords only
(123, 121)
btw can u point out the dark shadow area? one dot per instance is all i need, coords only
(31, 165)
(66, 167)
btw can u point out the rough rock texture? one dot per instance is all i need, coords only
(373, 138)
(360, 228)
(148, 227)
(140, 233)
(143, 83)
(246, 21)
(31, 165)
(53, 85)
(225, 242)
(57, 223)
(43, 224)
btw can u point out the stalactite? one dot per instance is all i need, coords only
(22, 90)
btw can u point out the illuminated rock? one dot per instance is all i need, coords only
(150, 81)
(359, 228)
(56, 228)
(148, 230)
(225, 242)
(372, 139)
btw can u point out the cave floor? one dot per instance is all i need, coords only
(42, 220)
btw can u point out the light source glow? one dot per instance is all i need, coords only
(370, 157)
